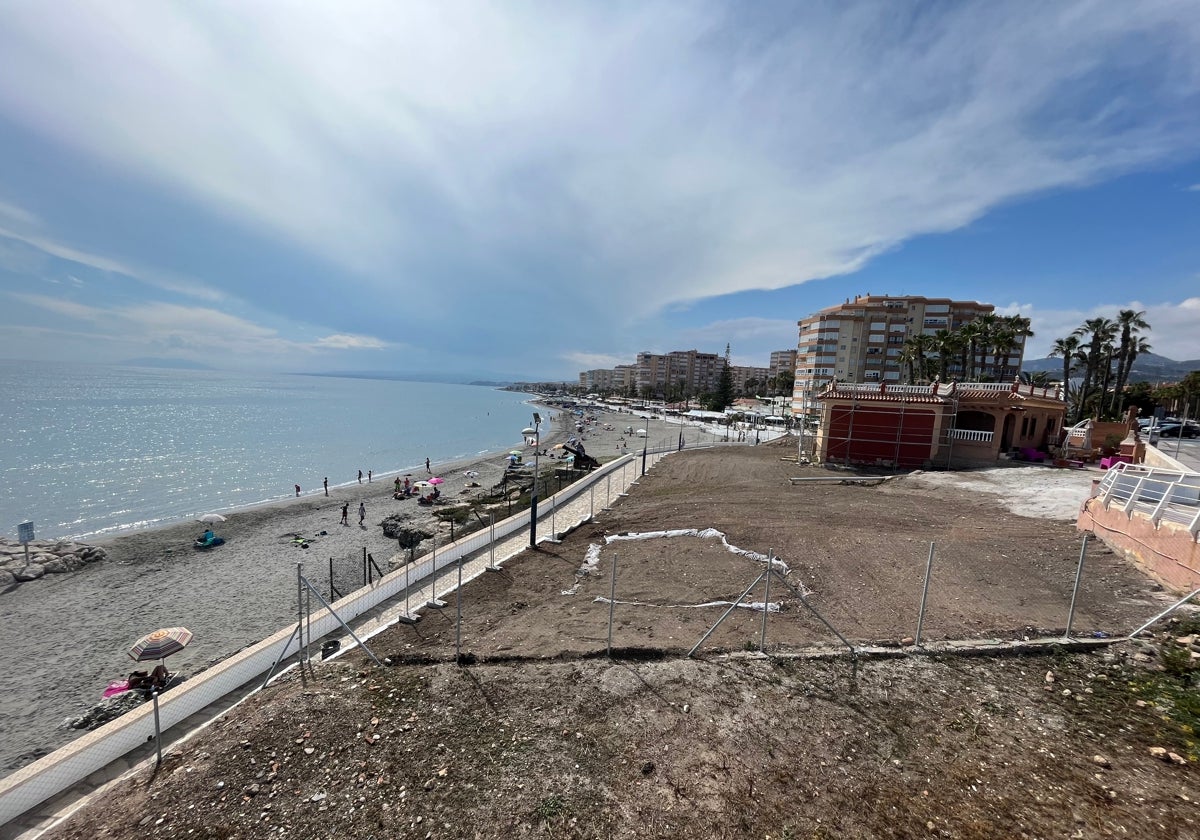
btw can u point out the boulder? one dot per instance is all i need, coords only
(56, 566)
(31, 572)
(6, 578)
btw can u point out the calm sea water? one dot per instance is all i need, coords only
(90, 451)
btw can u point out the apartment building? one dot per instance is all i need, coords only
(688, 371)
(743, 374)
(862, 340)
(781, 361)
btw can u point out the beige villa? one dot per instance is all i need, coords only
(936, 425)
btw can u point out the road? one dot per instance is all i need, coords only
(1186, 451)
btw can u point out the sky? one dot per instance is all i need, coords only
(524, 190)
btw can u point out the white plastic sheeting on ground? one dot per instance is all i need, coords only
(704, 534)
(591, 559)
(774, 606)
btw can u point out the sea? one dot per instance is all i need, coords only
(93, 451)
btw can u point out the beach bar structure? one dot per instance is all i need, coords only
(936, 425)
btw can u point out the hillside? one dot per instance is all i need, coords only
(1148, 367)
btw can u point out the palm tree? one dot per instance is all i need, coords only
(1004, 342)
(986, 324)
(946, 344)
(1131, 323)
(969, 336)
(1018, 327)
(919, 347)
(1099, 331)
(1068, 348)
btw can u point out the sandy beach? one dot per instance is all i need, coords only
(72, 630)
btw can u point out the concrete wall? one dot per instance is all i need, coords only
(1167, 552)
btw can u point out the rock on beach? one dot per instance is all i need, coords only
(46, 557)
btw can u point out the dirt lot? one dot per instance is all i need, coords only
(527, 742)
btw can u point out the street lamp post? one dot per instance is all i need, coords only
(645, 443)
(533, 496)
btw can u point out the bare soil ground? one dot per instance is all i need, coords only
(541, 735)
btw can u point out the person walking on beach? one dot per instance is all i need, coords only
(297, 491)
(362, 514)
(326, 485)
(346, 514)
(360, 476)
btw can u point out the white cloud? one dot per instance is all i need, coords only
(158, 279)
(596, 361)
(1172, 325)
(192, 332)
(350, 342)
(1193, 188)
(18, 214)
(677, 151)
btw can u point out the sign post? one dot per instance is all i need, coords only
(25, 537)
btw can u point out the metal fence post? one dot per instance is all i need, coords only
(762, 642)
(300, 618)
(592, 501)
(492, 545)
(1075, 589)
(157, 728)
(924, 595)
(612, 599)
(458, 617)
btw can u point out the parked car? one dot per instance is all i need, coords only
(1171, 430)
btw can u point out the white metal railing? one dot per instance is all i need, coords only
(970, 435)
(1173, 495)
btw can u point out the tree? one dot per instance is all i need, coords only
(1098, 332)
(722, 398)
(1130, 322)
(1069, 349)
(970, 335)
(1016, 328)
(945, 345)
(918, 347)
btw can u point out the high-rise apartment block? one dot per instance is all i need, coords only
(862, 341)
(782, 360)
(688, 371)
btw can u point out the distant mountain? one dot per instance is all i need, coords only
(173, 364)
(1148, 367)
(445, 378)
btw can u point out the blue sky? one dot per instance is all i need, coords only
(529, 189)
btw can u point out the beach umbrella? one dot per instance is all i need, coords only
(421, 485)
(471, 474)
(515, 452)
(528, 431)
(212, 517)
(436, 480)
(160, 644)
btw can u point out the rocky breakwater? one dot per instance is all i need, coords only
(46, 557)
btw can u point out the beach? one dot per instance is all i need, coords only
(229, 596)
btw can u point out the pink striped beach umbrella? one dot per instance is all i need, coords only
(160, 644)
(436, 480)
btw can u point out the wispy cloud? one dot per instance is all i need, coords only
(667, 141)
(596, 361)
(158, 279)
(1193, 188)
(193, 332)
(459, 154)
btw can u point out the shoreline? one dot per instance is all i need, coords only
(229, 596)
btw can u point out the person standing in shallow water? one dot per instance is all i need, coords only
(297, 491)
(326, 485)
(360, 476)
(427, 467)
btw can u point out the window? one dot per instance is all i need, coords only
(1050, 426)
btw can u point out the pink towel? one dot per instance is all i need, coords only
(116, 687)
